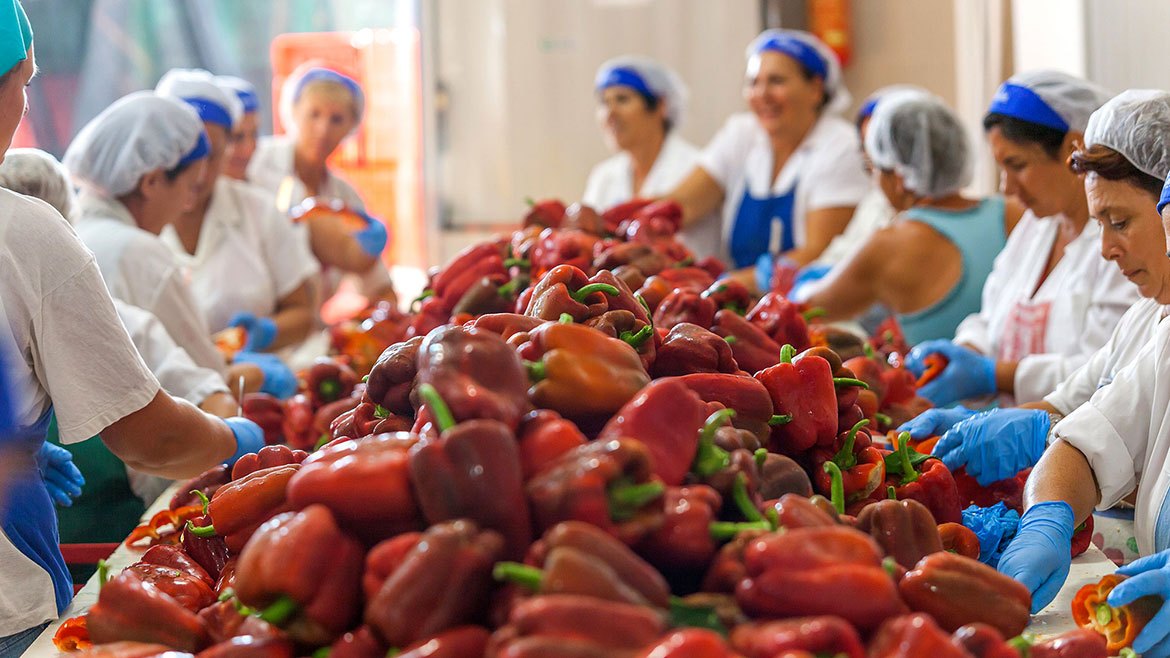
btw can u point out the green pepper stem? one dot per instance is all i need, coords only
(1104, 615)
(226, 595)
(685, 615)
(814, 313)
(584, 291)
(845, 457)
(714, 422)
(528, 577)
(1021, 644)
(280, 611)
(508, 288)
(329, 389)
(849, 381)
(203, 532)
(786, 353)
(326, 437)
(836, 486)
(780, 419)
(202, 498)
(642, 300)
(625, 500)
(731, 340)
(903, 446)
(710, 458)
(636, 339)
(883, 419)
(761, 456)
(530, 201)
(442, 413)
(728, 530)
(890, 566)
(743, 501)
(891, 493)
(103, 572)
(565, 318)
(536, 370)
(522, 263)
(323, 652)
(869, 353)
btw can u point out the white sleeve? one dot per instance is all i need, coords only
(174, 306)
(176, 372)
(593, 196)
(287, 255)
(837, 178)
(1112, 429)
(1077, 388)
(724, 156)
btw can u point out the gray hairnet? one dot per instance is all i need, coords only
(1136, 124)
(1072, 98)
(138, 134)
(920, 138)
(663, 82)
(870, 103)
(200, 85)
(838, 94)
(37, 174)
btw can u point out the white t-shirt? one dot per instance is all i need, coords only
(1124, 432)
(64, 346)
(1134, 330)
(873, 213)
(174, 369)
(248, 256)
(1066, 319)
(826, 169)
(140, 270)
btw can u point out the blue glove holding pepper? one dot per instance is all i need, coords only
(261, 330)
(1148, 576)
(933, 422)
(1041, 553)
(249, 437)
(279, 381)
(996, 444)
(968, 374)
(373, 238)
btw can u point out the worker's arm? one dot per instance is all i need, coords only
(1063, 473)
(293, 317)
(821, 226)
(334, 245)
(699, 194)
(170, 438)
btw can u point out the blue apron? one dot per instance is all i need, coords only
(751, 233)
(29, 520)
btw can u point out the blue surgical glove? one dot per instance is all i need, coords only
(261, 330)
(764, 266)
(933, 422)
(61, 476)
(968, 374)
(372, 239)
(808, 275)
(249, 437)
(279, 381)
(1041, 554)
(995, 444)
(1148, 576)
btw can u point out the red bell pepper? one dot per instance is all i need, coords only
(958, 538)
(958, 590)
(805, 392)
(623, 211)
(239, 507)
(731, 295)
(72, 635)
(795, 511)
(684, 540)
(904, 529)
(1009, 490)
(206, 483)
(935, 363)
(267, 412)
(913, 636)
(298, 423)
(360, 643)
(689, 348)
(458, 642)
(543, 437)
(982, 641)
(684, 306)
(561, 248)
(753, 349)
(626, 326)
(247, 646)
(690, 643)
(1082, 537)
(727, 570)
(266, 457)
(328, 381)
(569, 625)
(644, 258)
(477, 374)
(1119, 626)
(826, 635)
(548, 213)
(130, 608)
(666, 417)
(782, 320)
(746, 395)
(862, 469)
(922, 478)
(432, 313)
(392, 377)
(688, 277)
(1080, 643)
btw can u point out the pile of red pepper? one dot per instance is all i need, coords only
(578, 444)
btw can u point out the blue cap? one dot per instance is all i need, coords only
(624, 76)
(16, 35)
(201, 149)
(1165, 198)
(211, 112)
(867, 108)
(1022, 103)
(317, 73)
(797, 49)
(248, 99)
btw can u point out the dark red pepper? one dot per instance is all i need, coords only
(666, 417)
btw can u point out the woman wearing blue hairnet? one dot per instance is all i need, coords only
(789, 174)
(640, 107)
(70, 355)
(245, 132)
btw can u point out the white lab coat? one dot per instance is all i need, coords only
(1135, 329)
(611, 182)
(140, 270)
(826, 169)
(248, 256)
(1124, 432)
(1069, 317)
(63, 345)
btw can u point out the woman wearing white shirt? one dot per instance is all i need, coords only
(1051, 300)
(789, 174)
(245, 132)
(641, 105)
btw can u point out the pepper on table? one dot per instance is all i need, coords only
(684, 305)
(567, 247)
(684, 540)
(746, 395)
(628, 328)
(267, 457)
(548, 213)
(328, 380)
(689, 348)
(824, 635)
(666, 416)
(572, 625)
(922, 478)
(392, 377)
(957, 590)
(238, 508)
(913, 636)
(804, 391)
(567, 289)
(690, 643)
(958, 538)
(904, 529)
(1119, 626)
(782, 320)
(477, 374)
(863, 469)
(544, 435)
(731, 295)
(266, 411)
(130, 608)
(753, 349)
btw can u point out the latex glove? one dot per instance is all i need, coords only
(372, 239)
(933, 422)
(279, 381)
(1149, 575)
(968, 374)
(1041, 553)
(764, 266)
(807, 276)
(261, 330)
(995, 444)
(249, 437)
(62, 478)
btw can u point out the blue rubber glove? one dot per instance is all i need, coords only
(62, 478)
(372, 239)
(933, 422)
(279, 381)
(261, 330)
(808, 275)
(968, 374)
(995, 444)
(764, 266)
(1041, 554)
(249, 437)
(1149, 575)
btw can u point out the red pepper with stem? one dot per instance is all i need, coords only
(862, 470)
(805, 392)
(567, 289)
(1119, 626)
(731, 295)
(782, 320)
(684, 541)
(753, 349)
(746, 395)
(922, 478)
(666, 416)
(327, 381)
(476, 373)
(238, 508)
(543, 437)
(689, 348)
(130, 608)
(684, 306)
(548, 213)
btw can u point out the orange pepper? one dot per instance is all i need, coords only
(935, 364)
(72, 635)
(1119, 625)
(958, 538)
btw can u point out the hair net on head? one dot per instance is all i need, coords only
(245, 91)
(16, 35)
(920, 138)
(37, 174)
(316, 71)
(1136, 124)
(1049, 98)
(648, 78)
(812, 54)
(198, 89)
(136, 135)
(871, 101)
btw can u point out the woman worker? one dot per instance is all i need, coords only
(1115, 445)
(640, 108)
(245, 132)
(248, 267)
(1051, 300)
(70, 355)
(789, 174)
(929, 266)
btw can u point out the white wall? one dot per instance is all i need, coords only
(1126, 43)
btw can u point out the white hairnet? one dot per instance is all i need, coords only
(315, 71)
(662, 82)
(1072, 99)
(838, 96)
(37, 174)
(1136, 124)
(198, 87)
(244, 90)
(138, 134)
(920, 138)
(870, 103)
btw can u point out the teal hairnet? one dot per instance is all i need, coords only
(16, 35)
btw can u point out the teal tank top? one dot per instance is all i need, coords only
(978, 233)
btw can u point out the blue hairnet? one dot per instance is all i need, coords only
(1049, 98)
(648, 78)
(307, 73)
(243, 90)
(16, 35)
(812, 54)
(199, 89)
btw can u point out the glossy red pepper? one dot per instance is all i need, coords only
(690, 643)
(476, 373)
(922, 478)
(267, 412)
(548, 213)
(684, 306)
(543, 437)
(327, 381)
(803, 391)
(753, 349)
(666, 417)
(863, 469)
(746, 395)
(130, 608)
(913, 636)
(782, 320)
(825, 635)
(684, 540)
(238, 508)
(689, 348)
(958, 590)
